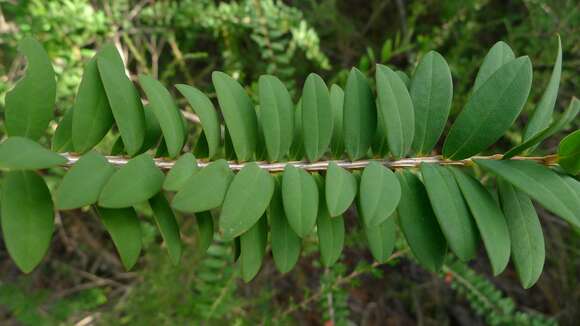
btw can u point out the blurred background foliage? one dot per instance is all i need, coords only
(82, 282)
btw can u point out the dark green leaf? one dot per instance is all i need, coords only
(341, 189)
(300, 198)
(297, 148)
(62, 140)
(21, 153)
(125, 230)
(569, 153)
(499, 54)
(165, 219)
(285, 242)
(183, 168)
(277, 114)
(316, 117)
(379, 194)
(381, 239)
(152, 131)
(205, 230)
(253, 248)
(337, 106)
(360, 115)
(330, 232)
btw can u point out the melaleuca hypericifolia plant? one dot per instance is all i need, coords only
(276, 171)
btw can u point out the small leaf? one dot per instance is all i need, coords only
(239, 115)
(341, 188)
(92, 116)
(569, 153)
(19, 153)
(528, 250)
(316, 117)
(27, 218)
(152, 131)
(125, 230)
(285, 242)
(431, 92)
(62, 139)
(133, 183)
(253, 248)
(337, 108)
(123, 98)
(277, 114)
(300, 199)
(381, 239)
(395, 110)
(205, 189)
(297, 148)
(489, 220)
(165, 220)
(541, 184)
(184, 167)
(379, 194)
(83, 183)
(499, 54)
(29, 105)
(208, 116)
(451, 210)
(360, 115)
(330, 232)
(419, 224)
(168, 115)
(246, 200)
(490, 110)
(205, 230)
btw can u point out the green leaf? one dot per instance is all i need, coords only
(316, 117)
(168, 227)
(184, 167)
(27, 218)
(527, 240)
(123, 98)
(83, 183)
(337, 108)
(297, 148)
(152, 131)
(92, 116)
(431, 92)
(569, 153)
(541, 184)
(246, 200)
(341, 188)
(133, 183)
(395, 110)
(29, 105)
(381, 239)
(207, 114)
(567, 117)
(489, 219)
(300, 199)
(451, 210)
(418, 223)
(168, 115)
(330, 232)
(19, 153)
(499, 54)
(277, 114)
(542, 115)
(62, 139)
(239, 115)
(205, 189)
(379, 193)
(490, 110)
(360, 115)
(253, 248)
(403, 76)
(285, 242)
(124, 228)
(205, 230)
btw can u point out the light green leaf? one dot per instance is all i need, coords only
(379, 194)
(418, 223)
(239, 115)
(285, 242)
(360, 115)
(499, 54)
(253, 248)
(82, 184)
(300, 199)
(124, 228)
(184, 167)
(395, 110)
(62, 139)
(123, 98)
(133, 183)
(489, 219)
(569, 153)
(205, 230)
(431, 92)
(451, 210)
(27, 218)
(341, 189)
(207, 114)
(277, 114)
(490, 110)
(381, 239)
(405, 78)
(92, 116)
(528, 250)
(168, 227)
(19, 153)
(205, 189)
(29, 105)
(246, 200)
(330, 232)
(316, 117)
(337, 108)
(541, 184)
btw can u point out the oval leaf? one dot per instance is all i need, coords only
(62, 139)
(205, 230)
(316, 117)
(337, 106)
(569, 153)
(499, 54)
(360, 115)
(184, 167)
(381, 239)
(277, 114)
(253, 248)
(300, 199)
(125, 230)
(285, 242)
(379, 194)
(19, 153)
(340, 189)
(330, 232)
(165, 219)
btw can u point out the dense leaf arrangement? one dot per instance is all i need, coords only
(437, 207)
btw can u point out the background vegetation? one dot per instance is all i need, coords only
(82, 281)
